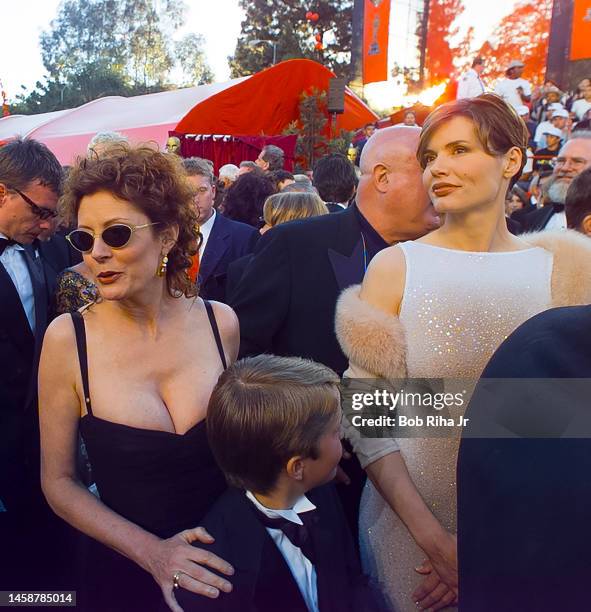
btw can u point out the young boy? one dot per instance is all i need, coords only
(273, 424)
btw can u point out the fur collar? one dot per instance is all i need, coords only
(375, 340)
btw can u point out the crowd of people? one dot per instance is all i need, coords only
(176, 349)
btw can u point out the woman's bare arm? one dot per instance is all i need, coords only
(59, 415)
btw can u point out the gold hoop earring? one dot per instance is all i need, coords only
(161, 271)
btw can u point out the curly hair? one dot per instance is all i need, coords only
(245, 198)
(156, 184)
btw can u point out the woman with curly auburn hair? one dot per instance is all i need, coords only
(134, 371)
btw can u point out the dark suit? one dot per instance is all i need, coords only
(335, 207)
(536, 220)
(287, 297)
(20, 349)
(524, 499)
(262, 581)
(228, 240)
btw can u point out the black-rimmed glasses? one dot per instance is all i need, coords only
(115, 236)
(43, 213)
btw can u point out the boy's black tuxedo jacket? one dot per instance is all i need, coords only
(262, 581)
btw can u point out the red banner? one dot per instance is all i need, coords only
(376, 25)
(580, 44)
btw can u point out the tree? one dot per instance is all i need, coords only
(443, 46)
(313, 139)
(189, 53)
(285, 23)
(522, 35)
(95, 48)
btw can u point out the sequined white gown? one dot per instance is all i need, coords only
(457, 308)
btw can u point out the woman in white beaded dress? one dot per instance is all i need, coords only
(439, 307)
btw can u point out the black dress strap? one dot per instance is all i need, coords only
(82, 359)
(216, 332)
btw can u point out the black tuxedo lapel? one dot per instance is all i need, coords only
(537, 219)
(348, 269)
(216, 247)
(14, 319)
(346, 258)
(326, 564)
(40, 294)
(261, 573)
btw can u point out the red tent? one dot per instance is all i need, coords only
(267, 101)
(260, 104)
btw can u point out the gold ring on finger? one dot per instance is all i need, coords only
(175, 579)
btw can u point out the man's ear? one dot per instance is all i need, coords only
(295, 468)
(586, 226)
(381, 179)
(3, 193)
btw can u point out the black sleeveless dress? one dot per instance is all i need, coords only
(162, 481)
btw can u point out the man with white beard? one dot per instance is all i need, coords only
(572, 159)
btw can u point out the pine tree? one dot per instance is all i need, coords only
(284, 22)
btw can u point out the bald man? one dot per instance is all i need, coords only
(286, 298)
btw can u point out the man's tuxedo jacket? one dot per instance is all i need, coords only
(262, 581)
(19, 358)
(229, 240)
(524, 502)
(287, 296)
(536, 220)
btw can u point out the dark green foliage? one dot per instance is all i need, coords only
(284, 21)
(312, 129)
(96, 48)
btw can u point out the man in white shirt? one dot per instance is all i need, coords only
(559, 120)
(573, 158)
(470, 84)
(224, 240)
(30, 181)
(513, 89)
(582, 105)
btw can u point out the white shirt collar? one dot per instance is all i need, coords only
(18, 247)
(291, 514)
(209, 223)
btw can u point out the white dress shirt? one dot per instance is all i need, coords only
(205, 230)
(557, 221)
(470, 85)
(507, 89)
(300, 566)
(13, 260)
(580, 107)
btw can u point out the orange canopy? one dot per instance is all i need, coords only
(266, 102)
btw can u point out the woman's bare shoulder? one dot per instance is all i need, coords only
(384, 280)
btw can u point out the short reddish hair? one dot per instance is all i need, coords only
(498, 126)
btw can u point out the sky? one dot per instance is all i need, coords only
(217, 20)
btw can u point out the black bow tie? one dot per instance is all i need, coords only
(298, 535)
(557, 207)
(5, 243)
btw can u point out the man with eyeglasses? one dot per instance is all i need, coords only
(30, 178)
(223, 240)
(572, 159)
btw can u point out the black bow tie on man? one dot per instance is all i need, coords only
(557, 207)
(5, 243)
(298, 535)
